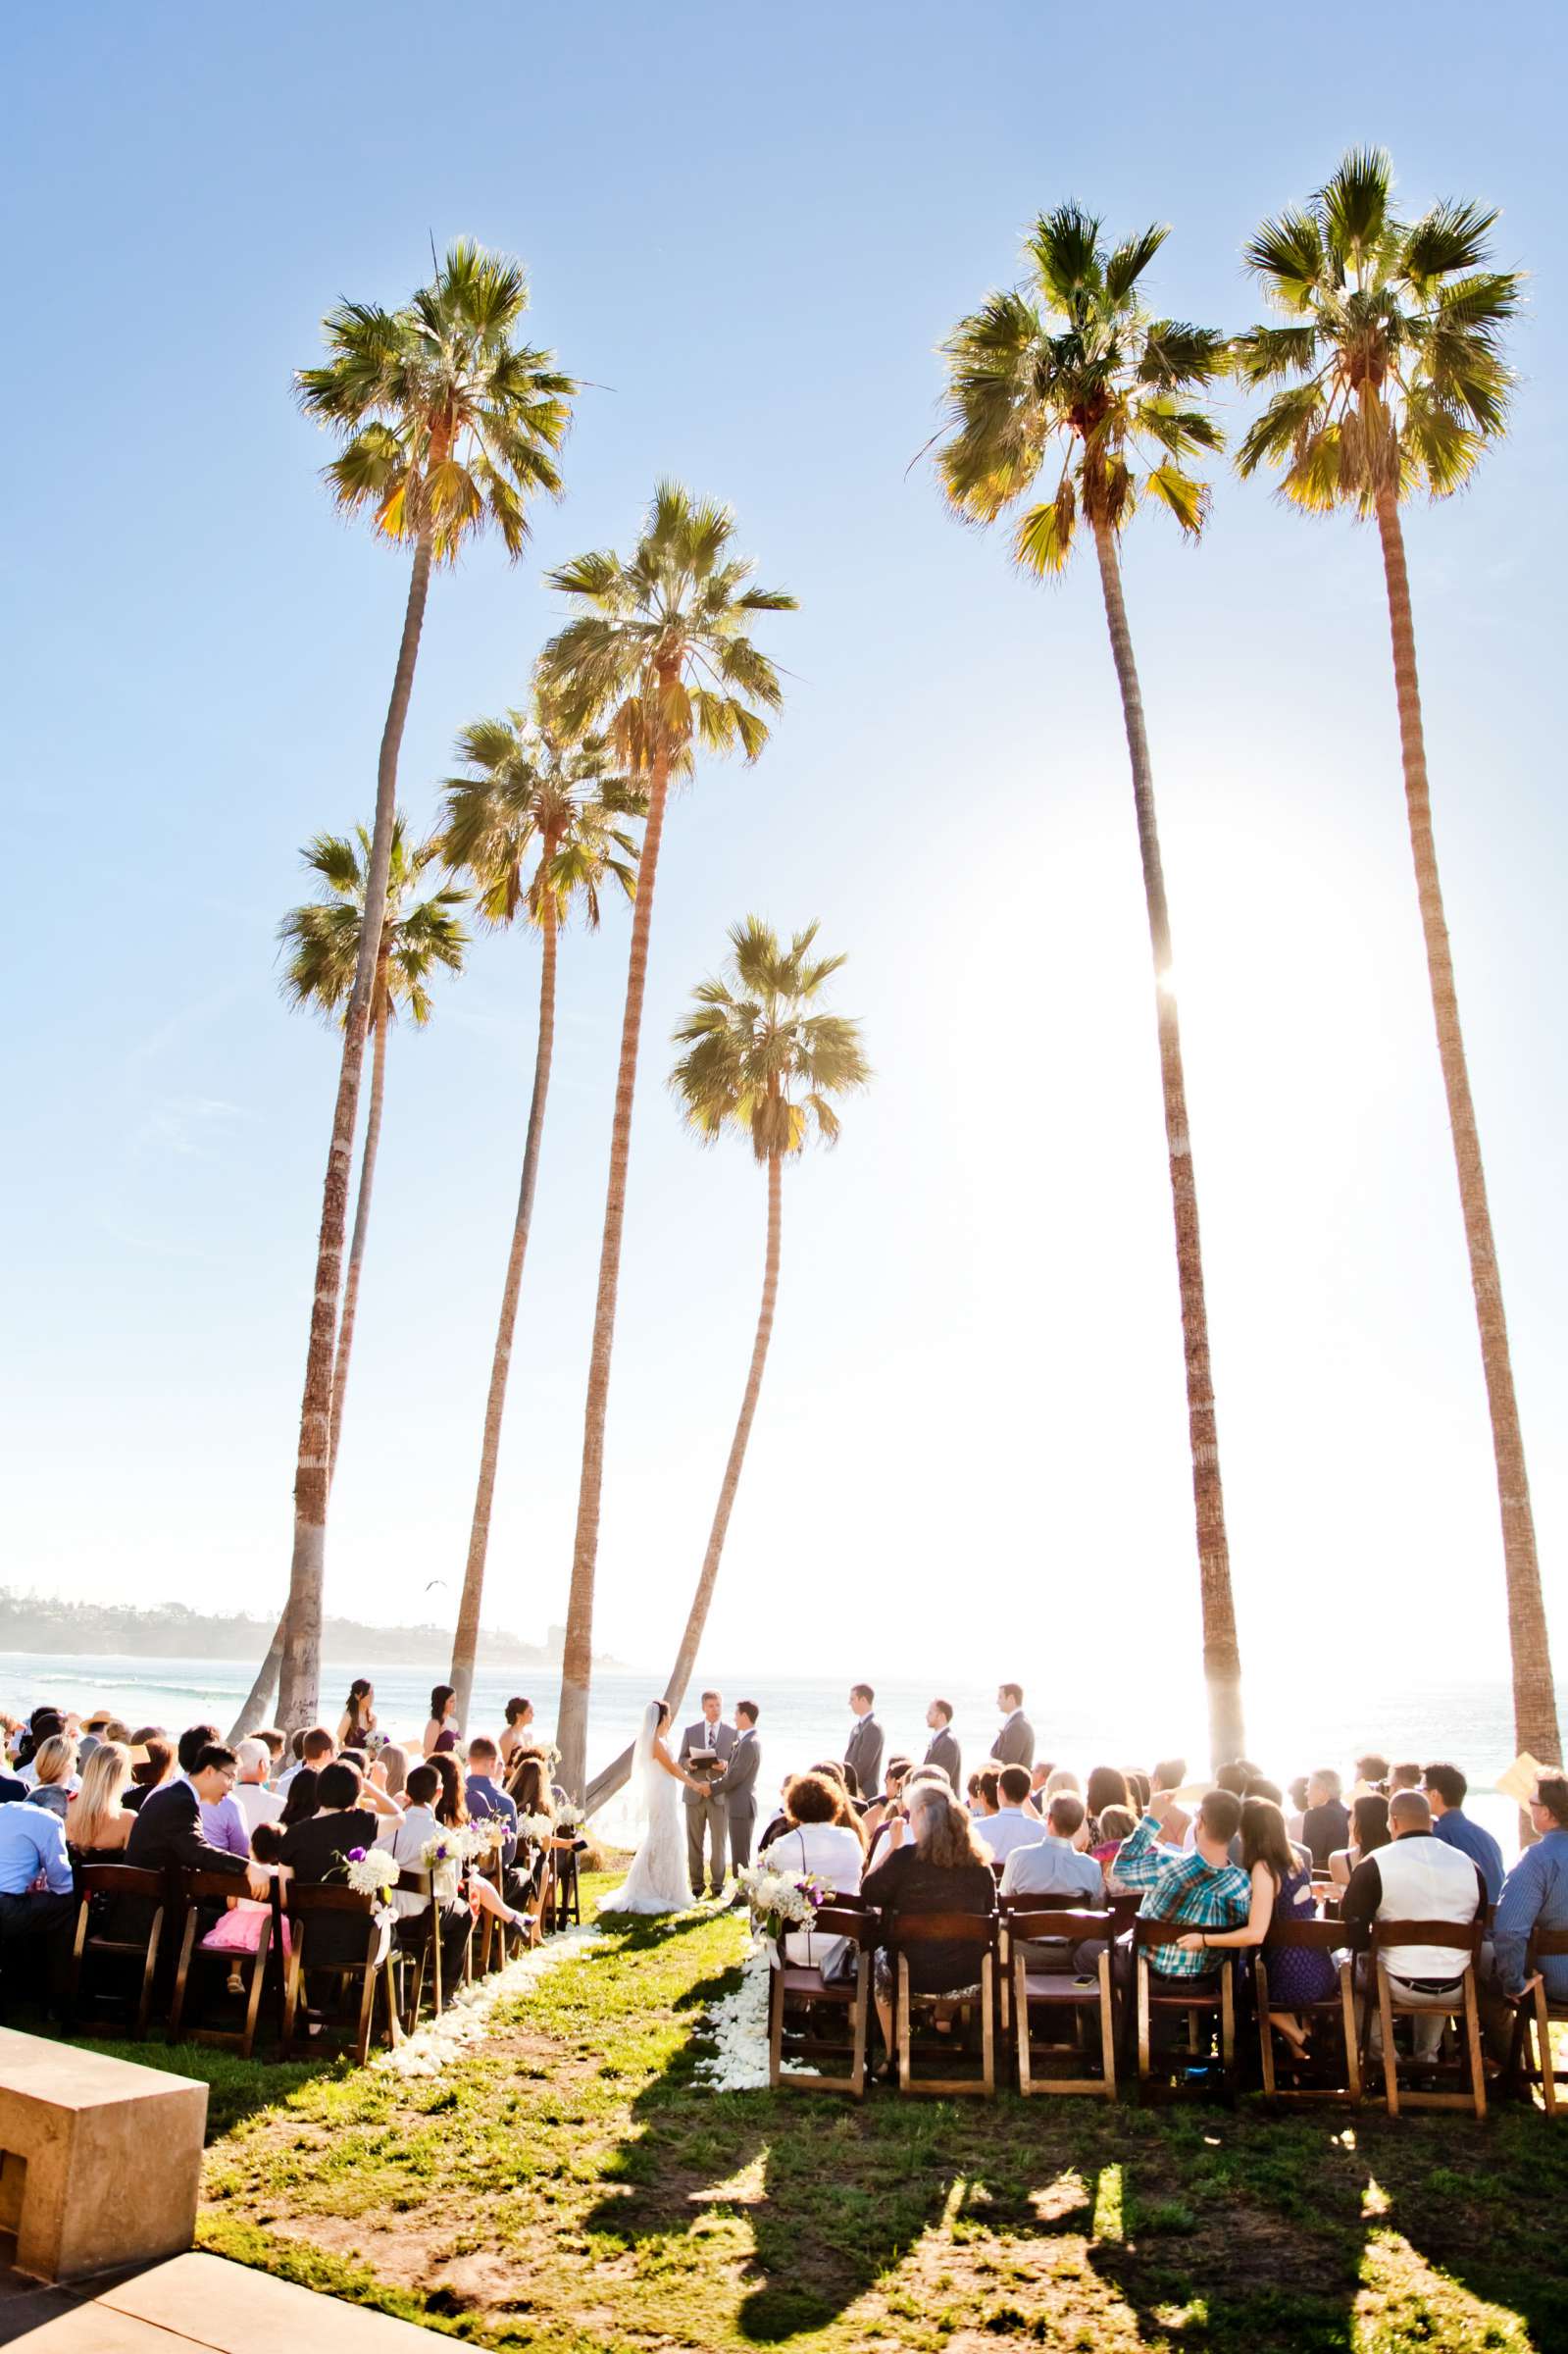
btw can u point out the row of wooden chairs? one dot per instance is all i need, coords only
(1014, 1987)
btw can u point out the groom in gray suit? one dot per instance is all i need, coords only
(707, 1820)
(736, 1787)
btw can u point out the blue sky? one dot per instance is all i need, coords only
(750, 230)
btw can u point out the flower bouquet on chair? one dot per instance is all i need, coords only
(781, 1901)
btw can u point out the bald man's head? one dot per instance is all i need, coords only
(1408, 1811)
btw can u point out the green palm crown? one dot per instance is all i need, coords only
(659, 652)
(1392, 356)
(759, 1058)
(323, 936)
(532, 791)
(448, 424)
(1070, 376)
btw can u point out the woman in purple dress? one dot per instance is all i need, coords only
(1281, 1891)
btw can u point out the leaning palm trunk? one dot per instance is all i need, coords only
(302, 1648)
(465, 1644)
(576, 1661)
(362, 1219)
(1535, 1698)
(259, 1699)
(1222, 1664)
(605, 1785)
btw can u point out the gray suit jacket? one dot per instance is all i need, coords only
(943, 1750)
(737, 1784)
(1014, 1745)
(720, 1738)
(863, 1753)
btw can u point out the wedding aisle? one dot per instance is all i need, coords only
(587, 2163)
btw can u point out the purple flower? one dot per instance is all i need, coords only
(356, 1854)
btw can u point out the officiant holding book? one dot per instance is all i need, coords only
(705, 1751)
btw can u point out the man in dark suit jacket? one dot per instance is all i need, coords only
(1014, 1744)
(736, 1789)
(167, 1831)
(863, 1749)
(707, 1821)
(943, 1748)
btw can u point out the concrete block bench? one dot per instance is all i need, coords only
(100, 2159)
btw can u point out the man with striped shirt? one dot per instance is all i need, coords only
(1201, 1889)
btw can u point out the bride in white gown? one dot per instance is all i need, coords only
(657, 1882)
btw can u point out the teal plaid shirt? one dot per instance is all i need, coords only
(1184, 1888)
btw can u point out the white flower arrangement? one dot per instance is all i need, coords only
(781, 1898)
(569, 1817)
(535, 1827)
(370, 1871)
(486, 1836)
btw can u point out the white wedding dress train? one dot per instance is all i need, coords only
(657, 1882)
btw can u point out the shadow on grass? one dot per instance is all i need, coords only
(236, 2088)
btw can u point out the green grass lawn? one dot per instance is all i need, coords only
(574, 2188)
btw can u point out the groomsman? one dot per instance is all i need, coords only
(736, 1787)
(1014, 1744)
(943, 1748)
(707, 1822)
(864, 1748)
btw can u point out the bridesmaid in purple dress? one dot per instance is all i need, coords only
(440, 1734)
(1282, 1890)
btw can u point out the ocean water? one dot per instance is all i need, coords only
(1115, 1716)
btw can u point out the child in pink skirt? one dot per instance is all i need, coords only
(238, 1930)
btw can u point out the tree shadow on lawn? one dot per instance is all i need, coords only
(1213, 2232)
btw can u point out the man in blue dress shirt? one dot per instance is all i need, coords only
(36, 1891)
(1446, 1788)
(1535, 1896)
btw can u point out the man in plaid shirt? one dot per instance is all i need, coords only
(1202, 1889)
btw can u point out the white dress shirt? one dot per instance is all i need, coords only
(1007, 1828)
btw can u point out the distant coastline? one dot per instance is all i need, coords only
(169, 1630)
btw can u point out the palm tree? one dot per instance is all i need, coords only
(324, 937)
(448, 426)
(658, 656)
(1393, 382)
(531, 794)
(1072, 369)
(761, 1061)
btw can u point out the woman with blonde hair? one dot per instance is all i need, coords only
(97, 1823)
(53, 1763)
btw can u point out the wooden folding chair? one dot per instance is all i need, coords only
(1321, 1937)
(1190, 1998)
(308, 1903)
(801, 1985)
(1539, 2010)
(111, 1881)
(901, 1934)
(566, 1896)
(1061, 1991)
(1389, 1937)
(422, 1947)
(199, 1888)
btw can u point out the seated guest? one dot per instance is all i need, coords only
(893, 1783)
(406, 1840)
(1060, 1777)
(12, 1787)
(274, 1744)
(1054, 1866)
(1447, 1790)
(984, 1793)
(1326, 1823)
(1369, 1831)
(256, 1803)
(937, 1866)
(1404, 1776)
(317, 1749)
(1535, 1896)
(1416, 1878)
(168, 1831)
(1010, 1827)
(301, 1802)
(815, 1838)
(36, 1889)
(238, 1929)
(391, 1769)
(1202, 1889)
(316, 1849)
(847, 1775)
(223, 1822)
(1116, 1824)
(484, 1795)
(97, 1822)
(518, 1717)
(54, 1774)
(1281, 1891)
(1139, 1787)
(1106, 1787)
(1373, 1769)
(44, 1724)
(452, 1813)
(877, 1844)
(1295, 1812)
(152, 1766)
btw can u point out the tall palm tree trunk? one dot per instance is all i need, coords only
(1222, 1663)
(576, 1662)
(299, 1689)
(259, 1698)
(604, 1786)
(1535, 1700)
(362, 1219)
(465, 1643)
